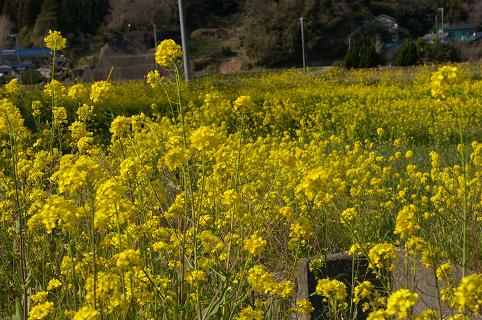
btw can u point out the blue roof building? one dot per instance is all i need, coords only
(26, 53)
(29, 57)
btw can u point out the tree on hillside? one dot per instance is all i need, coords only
(270, 29)
(475, 13)
(132, 30)
(5, 29)
(22, 12)
(153, 11)
(407, 54)
(436, 52)
(362, 55)
(82, 17)
(206, 14)
(274, 38)
(271, 39)
(46, 20)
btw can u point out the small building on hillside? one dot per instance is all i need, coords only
(431, 37)
(6, 71)
(392, 26)
(459, 32)
(454, 32)
(478, 36)
(389, 21)
(28, 58)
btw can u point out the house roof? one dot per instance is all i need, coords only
(434, 36)
(27, 53)
(21, 65)
(453, 27)
(385, 16)
(5, 68)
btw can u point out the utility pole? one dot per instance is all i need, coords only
(187, 73)
(443, 31)
(15, 35)
(436, 26)
(155, 36)
(303, 44)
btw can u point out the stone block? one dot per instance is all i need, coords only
(340, 266)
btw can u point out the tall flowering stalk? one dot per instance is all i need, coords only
(443, 81)
(55, 42)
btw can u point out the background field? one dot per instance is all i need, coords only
(198, 200)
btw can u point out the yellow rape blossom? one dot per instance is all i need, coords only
(260, 279)
(41, 311)
(59, 115)
(263, 282)
(204, 138)
(13, 87)
(303, 306)
(249, 313)
(406, 223)
(243, 104)
(400, 302)
(300, 232)
(196, 277)
(442, 79)
(381, 256)
(428, 314)
(154, 79)
(363, 291)
(332, 289)
(209, 240)
(100, 91)
(129, 258)
(469, 294)
(348, 215)
(255, 245)
(76, 174)
(166, 52)
(84, 112)
(56, 210)
(107, 293)
(120, 127)
(40, 296)
(378, 315)
(11, 121)
(316, 264)
(77, 91)
(36, 108)
(86, 313)
(53, 283)
(54, 41)
(380, 132)
(445, 271)
(54, 89)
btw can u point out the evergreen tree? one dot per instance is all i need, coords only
(46, 20)
(21, 12)
(362, 55)
(407, 54)
(81, 17)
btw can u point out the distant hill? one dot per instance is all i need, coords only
(264, 33)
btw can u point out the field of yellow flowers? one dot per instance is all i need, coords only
(163, 200)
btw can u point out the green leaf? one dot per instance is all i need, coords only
(213, 307)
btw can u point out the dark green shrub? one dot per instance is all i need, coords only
(407, 54)
(32, 76)
(437, 52)
(362, 56)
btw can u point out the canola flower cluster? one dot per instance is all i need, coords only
(200, 209)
